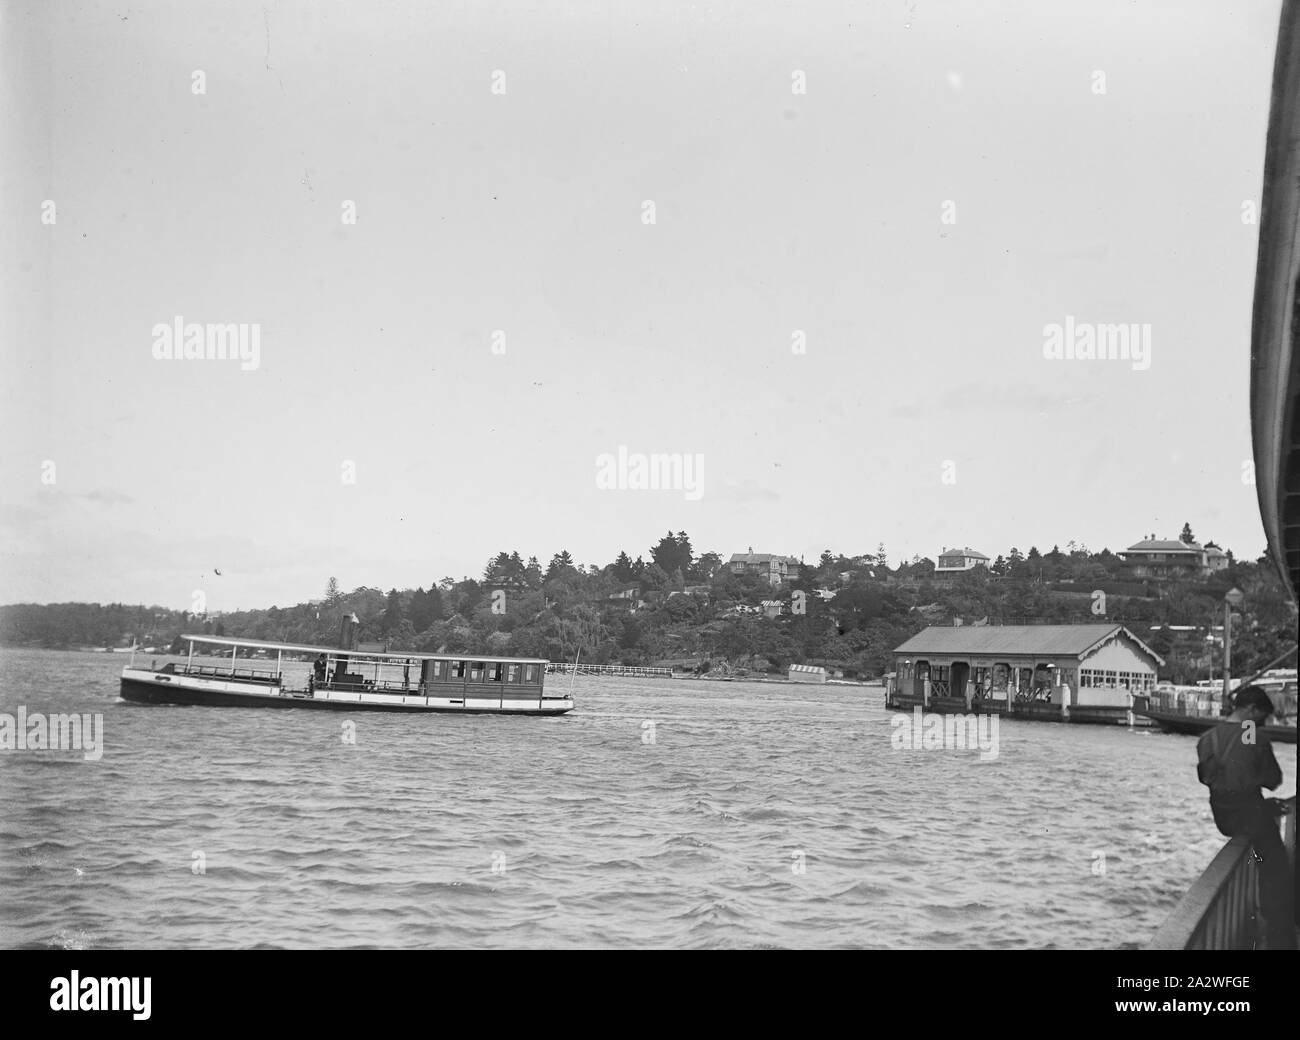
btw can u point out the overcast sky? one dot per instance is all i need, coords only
(1116, 198)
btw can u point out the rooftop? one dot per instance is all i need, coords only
(968, 551)
(753, 557)
(1042, 640)
(1163, 545)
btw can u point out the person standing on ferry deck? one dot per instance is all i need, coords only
(1234, 760)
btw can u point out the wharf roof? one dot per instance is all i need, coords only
(1017, 640)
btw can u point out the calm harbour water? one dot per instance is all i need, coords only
(598, 837)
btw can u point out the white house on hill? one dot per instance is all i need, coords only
(955, 561)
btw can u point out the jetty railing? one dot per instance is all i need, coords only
(1221, 909)
(636, 671)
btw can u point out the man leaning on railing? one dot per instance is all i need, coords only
(1235, 759)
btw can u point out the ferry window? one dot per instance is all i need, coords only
(494, 672)
(530, 673)
(435, 670)
(458, 669)
(512, 673)
(476, 671)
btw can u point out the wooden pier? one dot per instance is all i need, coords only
(634, 671)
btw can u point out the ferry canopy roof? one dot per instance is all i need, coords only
(334, 651)
(1017, 640)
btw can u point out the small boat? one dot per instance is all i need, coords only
(1194, 709)
(348, 680)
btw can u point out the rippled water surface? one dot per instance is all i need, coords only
(598, 837)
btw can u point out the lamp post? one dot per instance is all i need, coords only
(1232, 598)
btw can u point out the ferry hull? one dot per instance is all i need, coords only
(150, 689)
(1172, 722)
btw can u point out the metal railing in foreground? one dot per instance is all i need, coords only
(1221, 909)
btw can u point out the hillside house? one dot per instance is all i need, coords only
(772, 568)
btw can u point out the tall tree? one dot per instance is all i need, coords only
(561, 565)
(706, 566)
(497, 567)
(332, 593)
(621, 569)
(673, 553)
(417, 612)
(392, 616)
(533, 573)
(653, 578)
(434, 605)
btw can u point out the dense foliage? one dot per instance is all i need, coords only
(687, 609)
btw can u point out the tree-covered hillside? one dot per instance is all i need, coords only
(672, 605)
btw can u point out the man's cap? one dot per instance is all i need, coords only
(1252, 697)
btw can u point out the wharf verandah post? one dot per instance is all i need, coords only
(189, 664)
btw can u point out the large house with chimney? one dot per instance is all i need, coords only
(774, 569)
(1158, 558)
(959, 561)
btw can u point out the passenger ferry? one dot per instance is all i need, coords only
(347, 680)
(1194, 709)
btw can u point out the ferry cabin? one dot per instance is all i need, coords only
(1066, 673)
(345, 679)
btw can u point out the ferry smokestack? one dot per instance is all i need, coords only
(348, 632)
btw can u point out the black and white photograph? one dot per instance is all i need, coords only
(650, 476)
